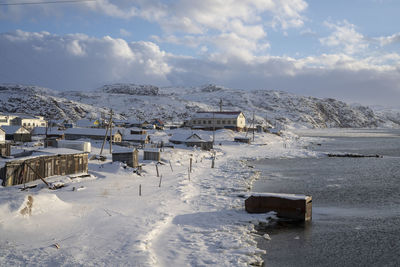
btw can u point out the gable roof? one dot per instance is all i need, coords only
(50, 131)
(12, 129)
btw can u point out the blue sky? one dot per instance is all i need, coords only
(343, 49)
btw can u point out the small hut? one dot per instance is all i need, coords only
(242, 140)
(152, 154)
(128, 156)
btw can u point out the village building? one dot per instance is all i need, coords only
(17, 133)
(92, 133)
(192, 140)
(128, 156)
(87, 123)
(136, 138)
(42, 164)
(136, 130)
(28, 121)
(153, 154)
(158, 124)
(209, 120)
(49, 132)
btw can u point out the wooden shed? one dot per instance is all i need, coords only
(130, 157)
(152, 154)
(242, 140)
(24, 170)
(17, 133)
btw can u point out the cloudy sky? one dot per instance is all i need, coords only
(346, 49)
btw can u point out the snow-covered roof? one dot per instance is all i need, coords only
(189, 137)
(216, 114)
(119, 149)
(135, 137)
(90, 131)
(44, 152)
(42, 131)
(86, 123)
(12, 129)
(151, 150)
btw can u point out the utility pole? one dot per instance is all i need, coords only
(111, 114)
(213, 128)
(253, 126)
(220, 105)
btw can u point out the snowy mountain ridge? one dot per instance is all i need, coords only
(177, 104)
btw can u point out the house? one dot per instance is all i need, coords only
(28, 121)
(92, 133)
(42, 164)
(158, 124)
(17, 133)
(6, 119)
(136, 138)
(192, 140)
(209, 120)
(135, 130)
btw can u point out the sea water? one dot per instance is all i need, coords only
(356, 202)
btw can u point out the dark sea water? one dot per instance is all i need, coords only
(356, 202)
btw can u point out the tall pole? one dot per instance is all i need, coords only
(220, 105)
(111, 113)
(213, 128)
(253, 126)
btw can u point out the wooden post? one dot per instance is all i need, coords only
(171, 166)
(189, 174)
(212, 163)
(159, 185)
(190, 168)
(140, 189)
(157, 170)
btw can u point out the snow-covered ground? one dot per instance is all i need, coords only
(102, 220)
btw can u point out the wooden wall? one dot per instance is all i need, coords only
(18, 172)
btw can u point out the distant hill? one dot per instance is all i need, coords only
(172, 104)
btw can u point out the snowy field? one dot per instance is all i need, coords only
(102, 220)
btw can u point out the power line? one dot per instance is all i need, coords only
(45, 2)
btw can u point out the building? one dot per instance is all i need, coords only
(17, 133)
(92, 133)
(192, 140)
(136, 138)
(28, 121)
(209, 120)
(42, 164)
(50, 132)
(128, 156)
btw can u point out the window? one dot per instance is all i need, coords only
(24, 124)
(218, 122)
(209, 122)
(223, 122)
(194, 122)
(29, 124)
(204, 122)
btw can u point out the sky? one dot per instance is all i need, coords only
(348, 50)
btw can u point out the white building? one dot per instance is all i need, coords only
(28, 121)
(2, 136)
(234, 120)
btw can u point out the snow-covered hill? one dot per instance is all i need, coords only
(173, 104)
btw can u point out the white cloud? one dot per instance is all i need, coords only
(387, 40)
(78, 61)
(345, 36)
(125, 33)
